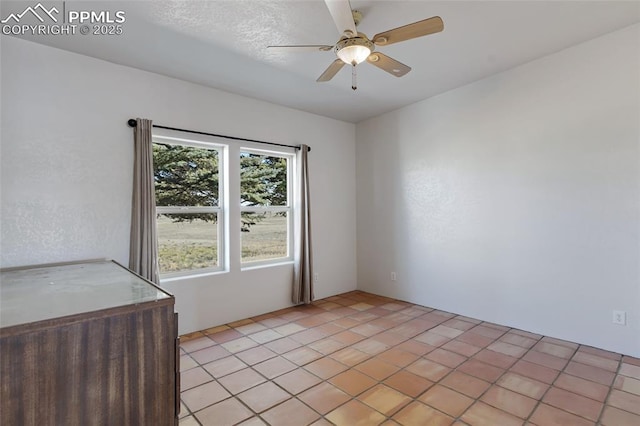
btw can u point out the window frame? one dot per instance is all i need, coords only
(219, 210)
(288, 208)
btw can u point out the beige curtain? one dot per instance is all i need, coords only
(143, 248)
(303, 254)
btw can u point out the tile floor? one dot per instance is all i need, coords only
(361, 359)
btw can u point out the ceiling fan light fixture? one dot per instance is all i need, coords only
(354, 50)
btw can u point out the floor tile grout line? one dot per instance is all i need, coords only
(610, 391)
(190, 413)
(271, 380)
(551, 385)
(268, 379)
(232, 395)
(381, 382)
(563, 371)
(560, 372)
(455, 369)
(491, 384)
(414, 399)
(390, 346)
(352, 397)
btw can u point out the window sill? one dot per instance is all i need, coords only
(270, 264)
(172, 278)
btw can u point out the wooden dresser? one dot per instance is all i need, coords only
(87, 343)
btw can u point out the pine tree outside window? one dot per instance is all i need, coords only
(187, 179)
(265, 205)
(194, 222)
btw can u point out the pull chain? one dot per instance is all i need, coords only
(354, 84)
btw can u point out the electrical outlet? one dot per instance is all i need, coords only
(393, 276)
(620, 317)
(315, 277)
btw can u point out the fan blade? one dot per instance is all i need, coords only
(331, 71)
(340, 11)
(417, 29)
(301, 48)
(388, 64)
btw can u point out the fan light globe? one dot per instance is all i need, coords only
(354, 55)
(354, 50)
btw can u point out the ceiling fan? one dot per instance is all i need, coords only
(354, 48)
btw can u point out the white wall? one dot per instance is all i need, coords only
(66, 171)
(515, 199)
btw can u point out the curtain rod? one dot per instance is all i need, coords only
(132, 123)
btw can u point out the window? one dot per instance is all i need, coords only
(188, 205)
(201, 231)
(265, 207)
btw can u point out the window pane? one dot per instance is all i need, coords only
(185, 175)
(264, 236)
(263, 180)
(187, 242)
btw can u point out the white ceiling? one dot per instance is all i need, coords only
(222, 44)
